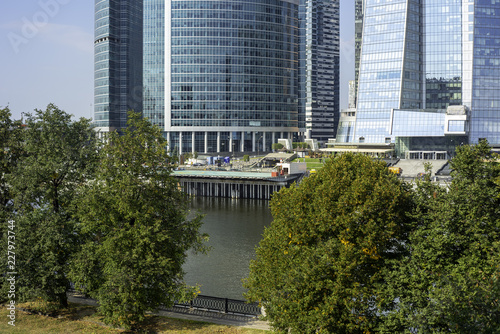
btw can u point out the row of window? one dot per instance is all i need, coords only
(234, 123)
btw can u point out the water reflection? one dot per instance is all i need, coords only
(235, 228)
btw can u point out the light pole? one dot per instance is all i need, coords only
(258, 145)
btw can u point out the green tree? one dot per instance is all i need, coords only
(450, 280)
(10, 152)
(320, 263)
(134, 219)
(277, 146)
(58, 155)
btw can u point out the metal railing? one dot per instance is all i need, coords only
(211, 304)
(222, 305)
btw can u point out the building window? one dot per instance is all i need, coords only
(456, 126)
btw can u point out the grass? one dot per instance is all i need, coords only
(312, 163)
(84, 319)
(315, 165)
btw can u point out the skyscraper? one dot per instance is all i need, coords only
(117, 63)
(428, 75)
(223, 76)
(358, 38)
(319, 69)
(230, 74)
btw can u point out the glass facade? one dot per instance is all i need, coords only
(117, 62)
(443, 54)
(154, 62)
(418, 123)
(233, 67)
(381, 68)
(319, 68)
(347, 123)
(419, 56)
(219, 76)
(358, 38)
(485, 111)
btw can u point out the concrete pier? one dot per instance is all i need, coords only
(232, 184)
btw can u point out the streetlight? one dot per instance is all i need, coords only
(258, 145)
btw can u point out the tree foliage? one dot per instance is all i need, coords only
(134, 220)
(56, 156)
(277, 146)
(449, 282)
(321, 261)
(10, 152)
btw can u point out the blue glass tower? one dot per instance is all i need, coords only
(230, 79)
(484, 31)
(219, 76)
(118, 62)
(390, 69)
(358, 38)
(154, 61)
(429, 74)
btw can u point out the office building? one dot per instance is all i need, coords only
(221, 76)
(225, 76)
(319, 69)
(358, 38)
(117, 62)
(230, 74)
(429, 75)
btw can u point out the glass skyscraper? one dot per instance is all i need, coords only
(154, 61)
(231, 74)
(117, 63)
(484, 58)
(358, 38)
(220, 76)
(319, 68)
(429, 74)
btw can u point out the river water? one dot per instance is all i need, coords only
(235, 227)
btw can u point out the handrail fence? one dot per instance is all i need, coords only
(222, 305)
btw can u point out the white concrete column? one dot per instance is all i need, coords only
(263, 141)
(273, 138)
(218, 141)
(253, 142)
(206, 142)
(242, 144)
(193, 141)
(180, 142)
(230, 143)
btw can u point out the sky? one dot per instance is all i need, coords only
(46, 55)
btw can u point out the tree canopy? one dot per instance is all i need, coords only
(135, 226)
(449, 282)
(56, 156)
(321, 260)
(354, 250)
(10, 152)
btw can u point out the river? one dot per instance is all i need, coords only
(235, 227)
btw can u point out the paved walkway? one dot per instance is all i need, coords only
(411, 167)
(195, 315)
